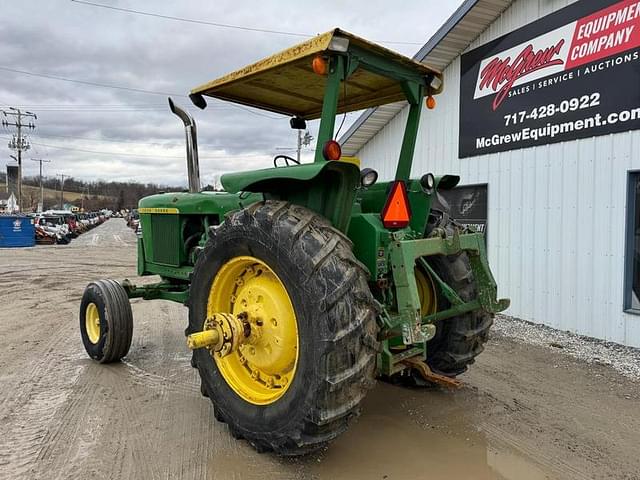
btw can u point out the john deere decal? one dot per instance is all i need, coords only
(572, 74)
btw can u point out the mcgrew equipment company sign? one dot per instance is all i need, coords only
(572, 74)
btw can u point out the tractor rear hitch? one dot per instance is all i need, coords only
(406, 253)
(416, 330)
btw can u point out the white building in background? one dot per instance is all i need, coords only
(548, 149)
(8, 203)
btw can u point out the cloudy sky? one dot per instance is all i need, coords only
(93, 132)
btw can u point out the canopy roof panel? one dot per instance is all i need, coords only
(285, 82)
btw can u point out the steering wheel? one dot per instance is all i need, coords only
(287, 159)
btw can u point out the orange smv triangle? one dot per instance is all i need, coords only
(397, 211)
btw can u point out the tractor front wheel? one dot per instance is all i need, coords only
(307, 355)
(106, 321)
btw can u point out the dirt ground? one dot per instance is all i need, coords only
(526, 412)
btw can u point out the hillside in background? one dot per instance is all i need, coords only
(92, 195)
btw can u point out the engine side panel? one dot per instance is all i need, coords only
(174, 224)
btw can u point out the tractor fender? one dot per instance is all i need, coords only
(271, 179)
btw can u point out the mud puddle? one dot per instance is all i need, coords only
(402, 434)
(423, 434)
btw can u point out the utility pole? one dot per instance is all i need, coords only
(18, 142)
(85, 189)
(41, 206)
(62, 175)
(303, 140)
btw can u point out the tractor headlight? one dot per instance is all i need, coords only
(435, 83)
(428, 182)
(368, 176)
(339, 44)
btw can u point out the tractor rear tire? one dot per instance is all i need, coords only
(335, 320)
(458, 340)
(106, 321)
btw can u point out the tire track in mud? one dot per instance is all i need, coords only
(131, 415)
(99, 431)
(25, 439)
(122, 431)
(171, 383)
(37, 418)
(120, 415)
(63, 435)
(134, 405)
(165, 417)
(555, 464)
(60, 423)
(43, 403)
(17, 396)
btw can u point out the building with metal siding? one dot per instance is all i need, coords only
(557, 213)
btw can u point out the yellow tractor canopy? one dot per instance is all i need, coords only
(286, 83)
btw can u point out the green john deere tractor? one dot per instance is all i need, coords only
(306, 281)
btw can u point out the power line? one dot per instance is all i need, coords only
(111, 140)
(32, 105)
(85, 82)
(119, 87)
(72, 109)
(113, 154)
(117, 154)
(114, 140)
(217, 24)
(100, 110)
(154, 109)
(191, 20)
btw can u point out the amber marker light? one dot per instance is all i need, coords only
(431, 102)
(331, 150)
(319, 65)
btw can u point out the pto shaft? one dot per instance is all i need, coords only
(206, 338)
(222, 334)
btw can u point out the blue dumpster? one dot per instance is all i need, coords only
(17, 231)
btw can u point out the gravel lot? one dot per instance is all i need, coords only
(538, 404)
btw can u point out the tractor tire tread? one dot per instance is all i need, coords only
(119, 319)
(459, 340)
(123, 321)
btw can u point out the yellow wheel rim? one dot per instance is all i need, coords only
(262, 368)
(426, 293)
(92, 322)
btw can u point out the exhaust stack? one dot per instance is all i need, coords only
(191, 134)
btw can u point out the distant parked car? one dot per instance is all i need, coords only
(133, 219)
(54, 225)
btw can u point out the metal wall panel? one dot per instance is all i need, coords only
(557, 212)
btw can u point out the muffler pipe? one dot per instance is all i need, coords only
(191, 134)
